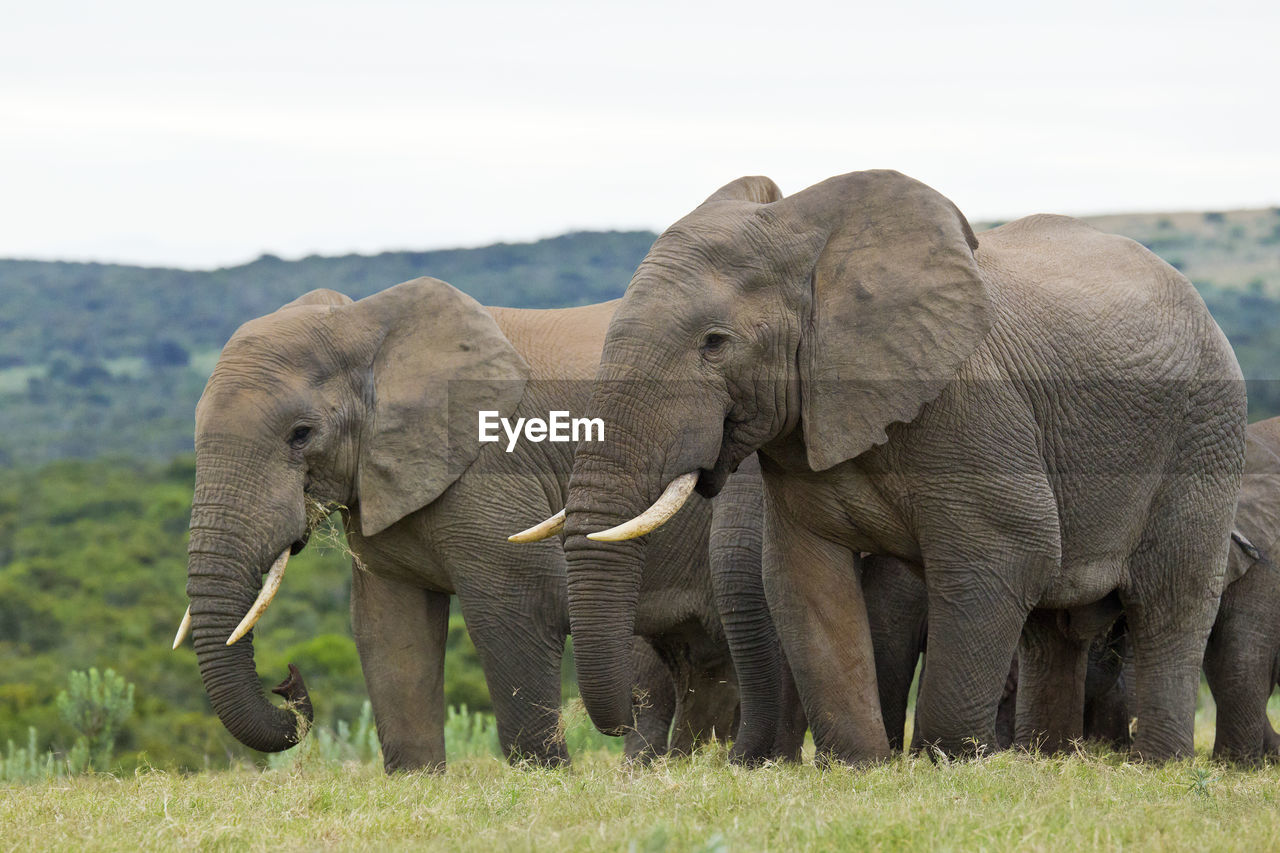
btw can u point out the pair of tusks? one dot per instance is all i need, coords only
(667, 505)
(270, 586)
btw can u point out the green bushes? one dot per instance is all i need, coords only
(467, 734)
(96, 707)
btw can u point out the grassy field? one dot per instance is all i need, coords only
(1093, 799)
(1087, 801)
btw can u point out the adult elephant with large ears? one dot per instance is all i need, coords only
(373, 405)
(1049, 422)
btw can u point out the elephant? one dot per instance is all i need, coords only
(1048, 422)
(373, 406)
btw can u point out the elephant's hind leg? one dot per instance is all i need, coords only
(897, 610)
(707, 708)
(1238, 663)
(1051, 679)
(1170, 605)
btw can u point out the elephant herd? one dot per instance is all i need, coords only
(1021, 448)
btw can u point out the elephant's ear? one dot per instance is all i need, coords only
(442, 360)
(897, 305)
(754, 188)
(320, 296)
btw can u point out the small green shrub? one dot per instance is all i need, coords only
(96, 706)
(25, 764)
(469, 734)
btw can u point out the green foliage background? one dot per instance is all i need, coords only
(100, 369)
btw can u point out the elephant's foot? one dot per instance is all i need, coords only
(547, 759)
(1270, 741)
(411, 760)
(860, 760)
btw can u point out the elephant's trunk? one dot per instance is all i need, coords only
(604, 588)
(224, 573)
(228, 672)
(614, 482)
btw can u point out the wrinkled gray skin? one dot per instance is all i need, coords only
(373, 405)
(1242, 658)
(1050, 423)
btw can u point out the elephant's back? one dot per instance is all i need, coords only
(558, 343)
(1067, 283)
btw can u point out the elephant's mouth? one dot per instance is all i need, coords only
(732, 452)
(711, 481)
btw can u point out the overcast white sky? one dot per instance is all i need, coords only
(206, 134)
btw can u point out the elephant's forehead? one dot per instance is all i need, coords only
(240, 390)
(709, 242)
(730, 238)
(280, 335)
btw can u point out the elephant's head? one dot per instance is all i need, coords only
(804, 326)
(324, 402)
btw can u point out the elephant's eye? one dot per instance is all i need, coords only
(713, 343)
(299, 437)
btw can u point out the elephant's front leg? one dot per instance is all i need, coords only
(973, 632)
(815, 598)
(400, 633)
(655, 705)
(706, 707)
(518, 631)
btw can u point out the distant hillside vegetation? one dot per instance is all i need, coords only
(107, 311)
(107, 359)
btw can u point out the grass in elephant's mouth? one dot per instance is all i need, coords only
(1085, 801)
(325, 529)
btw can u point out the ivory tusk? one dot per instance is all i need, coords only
(270, 586)
(667, 505)
(541, 530)
(183, 629)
